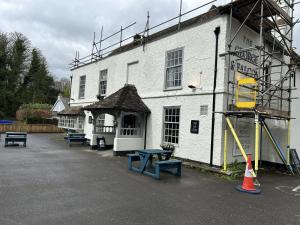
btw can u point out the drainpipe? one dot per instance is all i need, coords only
(217, 32)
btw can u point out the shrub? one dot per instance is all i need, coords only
(35, 106)
(39, 120)
(167, 146)
(33, 112)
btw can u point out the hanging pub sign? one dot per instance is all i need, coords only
(195, 126)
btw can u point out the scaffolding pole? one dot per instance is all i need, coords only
(225, 150)
(257, 141)
(288, 143)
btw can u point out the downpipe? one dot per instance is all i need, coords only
(217, 32)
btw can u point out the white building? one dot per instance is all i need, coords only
(60, 104)
(173, 72)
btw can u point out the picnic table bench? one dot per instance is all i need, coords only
(15, 137)
(75, 137)
(163, 164)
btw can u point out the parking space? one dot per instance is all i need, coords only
(50, 183)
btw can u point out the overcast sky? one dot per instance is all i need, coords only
(61, 27)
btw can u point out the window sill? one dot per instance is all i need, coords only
(173, 88)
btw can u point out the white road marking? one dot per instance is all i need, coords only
(296, 189)
(289, 190)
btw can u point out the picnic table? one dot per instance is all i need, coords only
(164, 163)
(75, 137)
(15, 137)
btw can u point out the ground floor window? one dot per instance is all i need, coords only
(130, 126)
(171, 125)
(71, 122)
(100, 121)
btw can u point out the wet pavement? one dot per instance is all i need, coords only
(49, 183)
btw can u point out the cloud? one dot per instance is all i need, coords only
(59, 28)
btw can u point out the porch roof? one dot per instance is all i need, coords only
(72, 111)
(125, 99)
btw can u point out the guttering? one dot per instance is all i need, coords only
(217, 32)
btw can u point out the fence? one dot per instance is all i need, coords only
(30, 128)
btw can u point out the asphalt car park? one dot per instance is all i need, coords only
(50, 183)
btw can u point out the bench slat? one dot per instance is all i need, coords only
(168, 164)
(171, 161)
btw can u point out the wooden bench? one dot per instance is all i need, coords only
(166, 165)
(76, 137)
(15, 137)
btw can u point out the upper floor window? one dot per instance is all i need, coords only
(103, 82)
(174, 68)
(82, 86)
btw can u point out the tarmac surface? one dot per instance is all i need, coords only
(49, 183)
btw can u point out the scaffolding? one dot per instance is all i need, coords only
(107, 45)
(273, 62)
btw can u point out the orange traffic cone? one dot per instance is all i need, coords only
(248, 184)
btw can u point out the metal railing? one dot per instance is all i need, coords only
(130, 131)
(105, 129)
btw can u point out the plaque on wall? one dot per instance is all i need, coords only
(195, 126)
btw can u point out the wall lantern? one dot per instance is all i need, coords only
(115, 123)
(91, 119)
(194, 88)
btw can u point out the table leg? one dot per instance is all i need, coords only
(144, 161)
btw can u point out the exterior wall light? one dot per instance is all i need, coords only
(115, 123)
(193, 87)
(91, 120)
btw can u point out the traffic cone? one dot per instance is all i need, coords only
(248, 184)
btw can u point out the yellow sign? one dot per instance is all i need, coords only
(246, 92)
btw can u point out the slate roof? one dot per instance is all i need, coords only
(125, 99)
(72, 111)
(65, 101)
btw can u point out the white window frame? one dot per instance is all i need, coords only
(100, 123)
(203, 110)
(175, 65)
(81, 84)
(71, 122)
(103, 82)
(172, 123)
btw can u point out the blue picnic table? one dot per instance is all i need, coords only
(15, 137)
(145, 157)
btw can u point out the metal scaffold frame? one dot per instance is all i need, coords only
(105, 46)
(274, 21)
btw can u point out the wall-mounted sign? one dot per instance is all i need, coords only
(195, 126)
